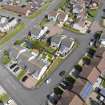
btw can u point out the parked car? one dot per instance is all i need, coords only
(53, 98)
(13, 65)
(16, 69)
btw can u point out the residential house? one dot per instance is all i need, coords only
(7, 23)
(65, 46)
(38, 34)
(56, 40)
(58, 16)
(30, 61)
(52, 16)
(79, 9)
(84, 88)
(70, 98)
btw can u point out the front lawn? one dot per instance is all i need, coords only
(5, 57)
(21, 74)
(4, 97)
(12, 33)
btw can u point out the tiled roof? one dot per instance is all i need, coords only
(90, 73)
(69, 98)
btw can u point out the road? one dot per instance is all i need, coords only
(38, 96)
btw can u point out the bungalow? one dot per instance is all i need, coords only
(70, 98)
(65, 46)
(56, 40)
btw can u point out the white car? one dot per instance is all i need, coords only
(10, 102)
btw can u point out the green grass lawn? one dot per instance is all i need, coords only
(103, 83)
(50, 70)
(21, 74)
(43, 22)
(12, 33)
(4, 97)
(92, 14)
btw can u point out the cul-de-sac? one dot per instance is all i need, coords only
(52, 52)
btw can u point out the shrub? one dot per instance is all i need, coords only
(92, 51)
(70, 79)
(78, 67)
(58, 91)
(86, 60)
(18, 42)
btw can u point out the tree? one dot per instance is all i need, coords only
(62, 73)
(18, 42)
(86, 60)
(40, 45)
(78, 67)
(58, 91)
(97, 35)
(92, 51)
(70, 79)
(5, 57)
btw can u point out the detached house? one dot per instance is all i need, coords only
(31, 61)
(58, 16)
(65, 46)
(56, 40)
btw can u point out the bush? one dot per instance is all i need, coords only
(78, 67)
(6, 52)
(37, 44)
(70, 79)
(58, 91)
(18, 42)
(86, 60)
(92, 51)
(5, 59)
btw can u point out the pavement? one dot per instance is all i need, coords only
(24, 96)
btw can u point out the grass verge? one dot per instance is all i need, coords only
(21, 74)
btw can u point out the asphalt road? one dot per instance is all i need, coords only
(38, 96)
